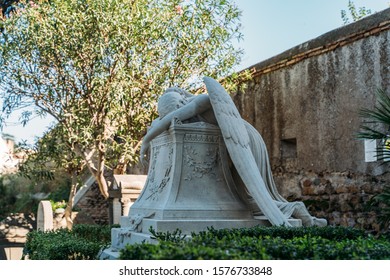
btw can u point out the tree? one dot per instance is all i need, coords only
(356, 13)
(98, 67)
(376, 126)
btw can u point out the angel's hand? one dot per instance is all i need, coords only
(176, 120)
(144, 153)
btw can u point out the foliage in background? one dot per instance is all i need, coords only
(376, 123)
(355, 13)
(98, 67)
(50, 155)
(380, 203)
(19, 194)
(12, 198)
(376, 126)
(57, 205)
(21, 191)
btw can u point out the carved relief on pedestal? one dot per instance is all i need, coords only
(199, 164)
(157, 186)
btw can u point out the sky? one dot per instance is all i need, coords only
(269, 28)
(272, 26)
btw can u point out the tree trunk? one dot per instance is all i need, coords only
(103, 187)
(69, 206)
(96, 168)
(98, 173)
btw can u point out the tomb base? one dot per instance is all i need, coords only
(120, 237)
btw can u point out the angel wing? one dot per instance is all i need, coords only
(237, 143)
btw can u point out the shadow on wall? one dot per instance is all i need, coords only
(13, 232)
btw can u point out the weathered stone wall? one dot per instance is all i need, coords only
(305, 102)
(341, 197)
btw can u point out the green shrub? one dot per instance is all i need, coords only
(273, 243)
(327, 243)
(380, 203)
(82, 242)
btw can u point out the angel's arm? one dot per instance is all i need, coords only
(196, 106)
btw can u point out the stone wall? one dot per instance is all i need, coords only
(341, 197)
(305, 102)
(92, 208)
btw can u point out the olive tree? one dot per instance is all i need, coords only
(97, 67)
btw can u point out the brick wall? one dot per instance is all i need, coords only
(92, 208)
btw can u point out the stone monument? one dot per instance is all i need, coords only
(45, 216)
(208, 168)
(124, 192)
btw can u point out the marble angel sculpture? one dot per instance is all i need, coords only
(245, 146)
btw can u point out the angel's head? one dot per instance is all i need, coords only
(172, 99)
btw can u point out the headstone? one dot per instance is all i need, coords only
(13, 253)
(45, 216)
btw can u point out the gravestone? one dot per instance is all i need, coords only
(45, 216)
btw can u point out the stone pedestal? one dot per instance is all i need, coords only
(189, 178)
(124, 192)
(189, 187)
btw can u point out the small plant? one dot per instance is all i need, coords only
(57, 204)
(355, 13)
(175, 236)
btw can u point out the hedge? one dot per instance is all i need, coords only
(269, 243)
(83, 242)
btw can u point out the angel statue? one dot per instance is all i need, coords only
(245, 146)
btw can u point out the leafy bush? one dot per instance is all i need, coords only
(327, 243)
(273, 243)
(380, 203)
(81, 243)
